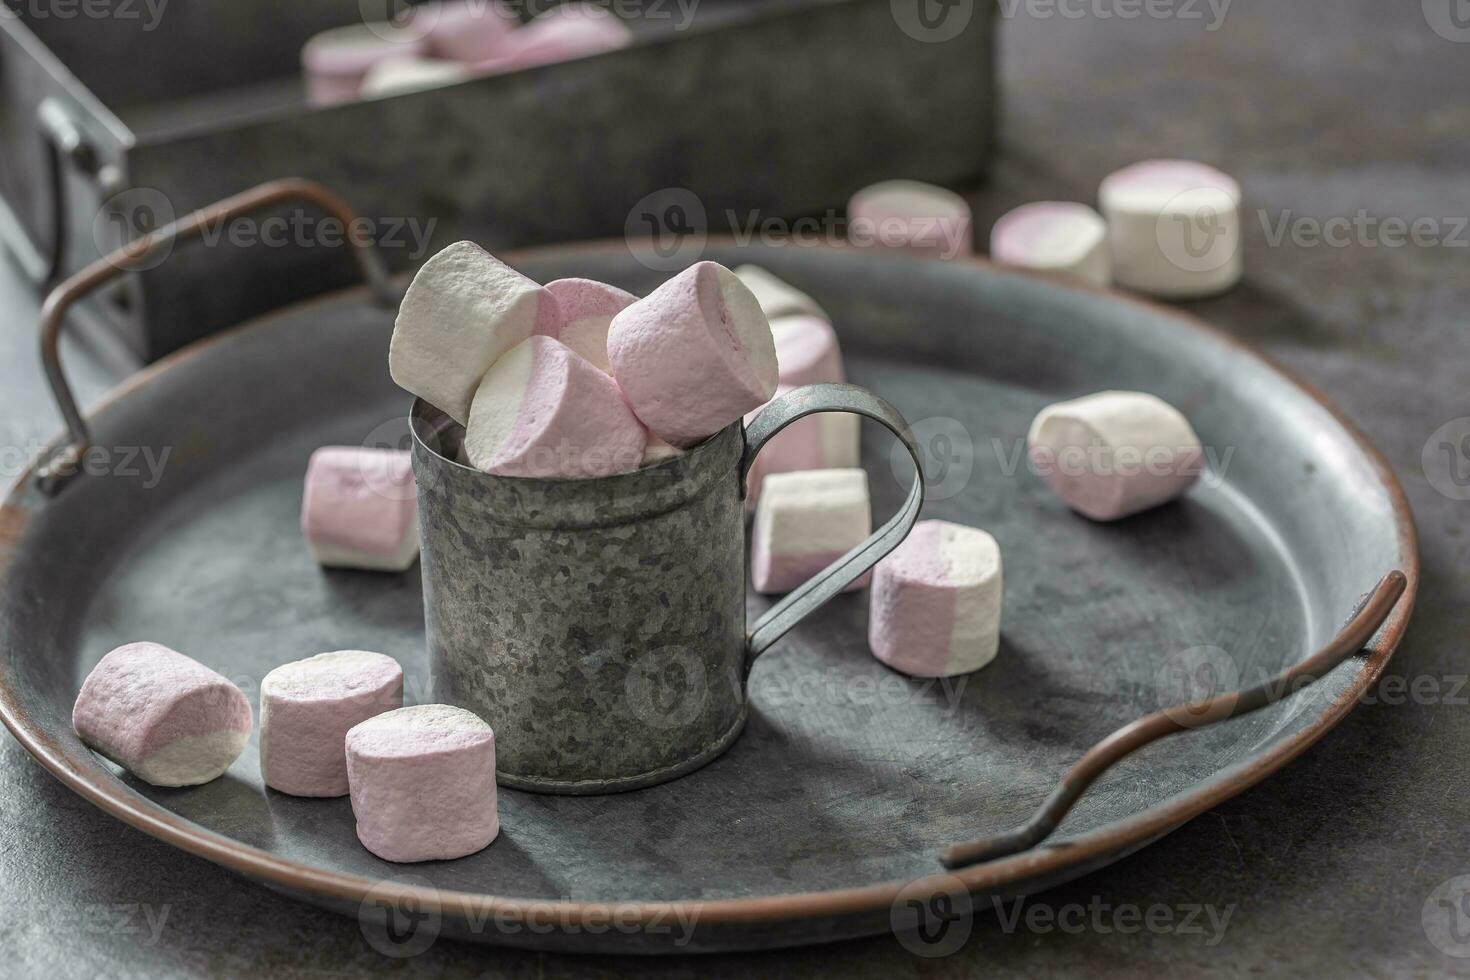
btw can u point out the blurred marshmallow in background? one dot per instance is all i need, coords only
(1054, 236)
(572, 30)
(910, 214)
(397, 76)
(337, 62)
(469, 31)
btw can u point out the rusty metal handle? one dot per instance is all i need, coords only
(64, 463)
(1364, 622)
(815, 591)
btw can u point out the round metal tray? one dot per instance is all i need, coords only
(849, 780)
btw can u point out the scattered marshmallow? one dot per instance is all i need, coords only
(462, 311)
(470, 31)
(805, 522)
(398, 76)
(807, 351)
(571, 30)
(587, 310)
(423, 783)
(694, 355)
(306, 709)
(359, 508)
(936, 601)
(910, 214)
(1055, 236)
(164, 717)
(777, 297)
(543, 411)
(826, 440)
(1115, 453)
(1174, 228)
(337, 61)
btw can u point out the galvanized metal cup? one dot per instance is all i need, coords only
(599, 625)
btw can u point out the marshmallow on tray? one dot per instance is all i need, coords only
(544, 411)
(166, 718)
(359, 508)
(826, 440)
(571, 30)
(462, 311)
(423, 783)
(398, 76)
(694, 355)
(805, 522)
(467, 30)
(1115, 453)
(337, 61)
(777, 297)
(587, 310)
(807, 352)
(306, 708)
(910, 214)
(1054, 236)
(936, 602)
(1174, 228)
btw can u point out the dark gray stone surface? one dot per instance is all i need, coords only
(1322, 108)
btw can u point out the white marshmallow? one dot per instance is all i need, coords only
(1115, 453)
(776, 296)
(462, 311)
(936, 601)
(807, 351)
(1054, 236)
(1174, 228)
(806, 521)
(359, 508)
(401, 75)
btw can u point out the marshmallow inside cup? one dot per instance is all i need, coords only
(544, 411)
(587, 310)
(1173, 228)
(1113, 454)
(1054, 236)
(468, 31)
(164, 717)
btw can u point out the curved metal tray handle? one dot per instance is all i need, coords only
(1365, 620)
(53, 474)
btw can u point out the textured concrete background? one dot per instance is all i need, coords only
(1324, 109)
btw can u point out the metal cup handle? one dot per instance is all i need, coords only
(812, 593)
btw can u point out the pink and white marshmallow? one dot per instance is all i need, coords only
(910, 214)
(306, 710)
(777, 297)
(936, 602)
(164, 717)
(805, 522)
(587, 310)
(463, 310)
(1054, 236)
(1173, 228)
(694, 355)
(423, 783)
(571, 30)
(1115, 453)
(359, 508)
(543, 411)
(337, 61)
(827, 440)
(399, 76)
(807, 351)
(468, 31)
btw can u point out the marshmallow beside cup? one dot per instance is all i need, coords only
(164, 717)
(936, 602)
(694, 355)
(306, 710)
(910, 214)
(1054, 236)
(804, 522)
(1173, 228)
(422, 781)
(1114, 453)
(359, 508)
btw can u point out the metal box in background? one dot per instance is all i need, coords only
(763, 108)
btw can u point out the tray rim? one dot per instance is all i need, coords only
(1100, 845)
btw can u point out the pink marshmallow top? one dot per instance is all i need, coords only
(1017, 233)
(350, 490)
(1177, 176)
(332, 681)
(581, 298)
(354, 52)
(407, 733)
